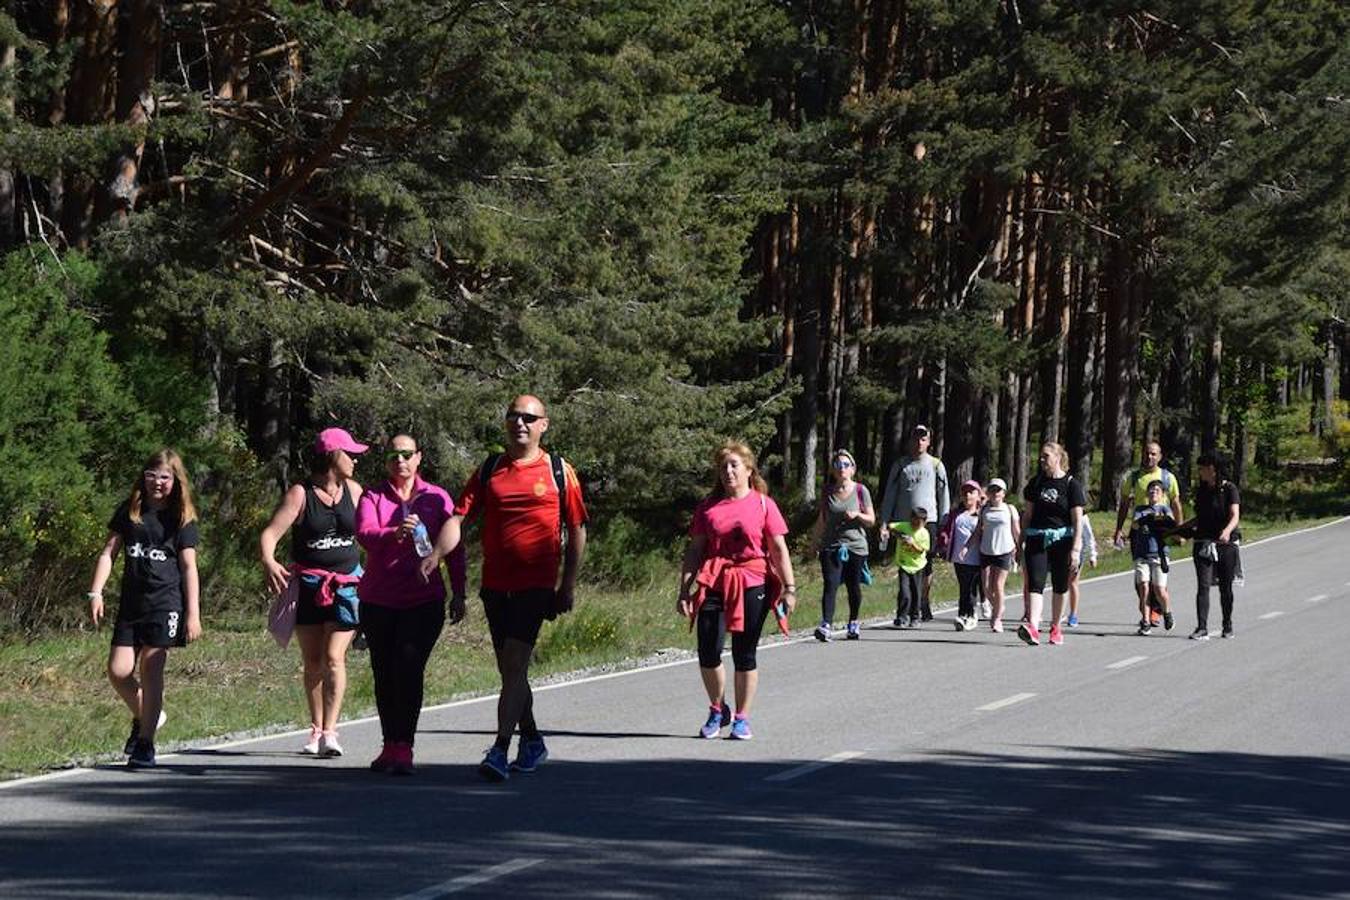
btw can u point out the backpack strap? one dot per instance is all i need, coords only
(560, 482)
(487, 468)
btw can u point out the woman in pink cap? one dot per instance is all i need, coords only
(320, 513)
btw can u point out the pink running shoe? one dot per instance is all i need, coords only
(1029, 633)
(402, 763)
(996, 626)
(382, 762)
(311, 747)
(1056, 636)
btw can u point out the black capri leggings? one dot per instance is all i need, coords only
(400, 642)
(712, 631)
(850, 573)
(1041, 560)
(1207, 572)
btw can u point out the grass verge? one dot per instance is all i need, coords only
(57, 709)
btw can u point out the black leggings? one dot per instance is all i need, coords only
(850, 573)
(909, 595)
(712, 631)
(1205, 572)
(1041, 561)
(968, 579)
(400, 642)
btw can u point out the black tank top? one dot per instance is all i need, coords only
(324, 537)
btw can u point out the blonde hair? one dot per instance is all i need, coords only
(1060, 453)
(180, 498)
(737, 448)
(834, 474)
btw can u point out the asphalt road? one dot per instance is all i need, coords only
(927, 764)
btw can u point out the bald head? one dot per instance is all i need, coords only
(526, 422)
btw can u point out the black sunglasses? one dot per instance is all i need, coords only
(392, 455)
(517, 416)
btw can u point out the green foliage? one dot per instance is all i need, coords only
(586, 630)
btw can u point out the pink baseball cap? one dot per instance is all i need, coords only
(331, 439)
(971, 485)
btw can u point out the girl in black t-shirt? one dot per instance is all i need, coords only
(156, 529)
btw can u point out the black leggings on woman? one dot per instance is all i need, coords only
(400, 642)
(850, 573)
(1205, 571)
(1053, 560)
(712, 631)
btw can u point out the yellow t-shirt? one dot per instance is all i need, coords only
(908, 560)
(1137, 488)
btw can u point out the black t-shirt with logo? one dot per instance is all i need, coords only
(1052, 501)
(151, 579)
(324, 537)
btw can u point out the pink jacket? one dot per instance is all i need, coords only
(392, 578)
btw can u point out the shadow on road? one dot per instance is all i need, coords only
(1142, 824)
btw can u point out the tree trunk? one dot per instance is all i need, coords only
(1209, 401)
(89, 101)
(1122, 349)
(1176, 393)
(1080, 363)
(136, 73)
(9, 222)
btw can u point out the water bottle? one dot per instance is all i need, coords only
(421, 540)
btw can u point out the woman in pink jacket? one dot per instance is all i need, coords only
(402, 613)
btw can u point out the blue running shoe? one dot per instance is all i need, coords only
(740, 730)
(493, 767)
(1073, 620)
(717, 720)
(530, 755)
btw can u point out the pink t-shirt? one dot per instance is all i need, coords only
(739, 530)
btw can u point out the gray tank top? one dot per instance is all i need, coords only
(841, 531)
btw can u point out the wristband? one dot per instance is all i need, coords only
(93, 595)
(789, 589)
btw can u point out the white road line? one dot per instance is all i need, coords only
(808, 768)
(1271, 615)
(473, 879)
(1006, 701)
(1128, 661)
(1318, 599)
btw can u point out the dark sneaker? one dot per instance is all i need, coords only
(1168, 621)
(718, 718)
(1145, 629)
(898, 622)
(1228, 631)
(494, 766)
(1200, 634)
(823, 632)
(130, 746)
(1029, 633)
(142, 756)
(927, 616)
(531, 753)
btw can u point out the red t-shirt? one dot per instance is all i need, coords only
(522, 537)
(739, 529)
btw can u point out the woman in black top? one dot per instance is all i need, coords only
(1217, 514)
(159, 609)
(326, 564)
(1052, 539)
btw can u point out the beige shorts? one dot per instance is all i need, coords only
(1149, 570)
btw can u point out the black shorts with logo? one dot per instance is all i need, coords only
(151, 629)
(517, 615)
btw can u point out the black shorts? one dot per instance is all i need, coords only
(307, 612)
(517, 615)
(152, 629)
(1002, 561)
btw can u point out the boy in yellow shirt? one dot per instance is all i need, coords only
(911, 556)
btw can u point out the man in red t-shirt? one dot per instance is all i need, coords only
(522, 520)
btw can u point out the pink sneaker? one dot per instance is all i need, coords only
(311, 747)
(1029, 633)
(382, 762)
(996, 626)
(1056, 636)
(402, 763)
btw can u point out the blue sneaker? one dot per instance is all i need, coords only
(740, 730)
(530, 755)
(493, 767)
(1073, 620)
(717, 720)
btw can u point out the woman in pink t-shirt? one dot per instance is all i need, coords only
(736, 569)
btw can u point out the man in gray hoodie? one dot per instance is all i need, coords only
(917, 479)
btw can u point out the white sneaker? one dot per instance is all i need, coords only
(986, 609)
(311, 747)
(328, 744)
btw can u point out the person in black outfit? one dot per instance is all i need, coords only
(1217, 536)
(320, 513)
(156, 528)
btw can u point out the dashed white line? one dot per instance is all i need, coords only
(1271, 615)
(1006, 701)
(473, 879)
(1128, 661)
(1318, 599)
(808, 768)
